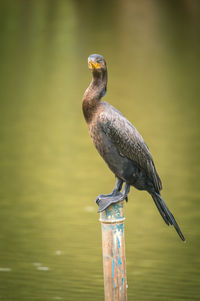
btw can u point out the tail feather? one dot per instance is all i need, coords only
(166, 214)
(162, 213)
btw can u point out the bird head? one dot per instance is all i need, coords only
(96, 62)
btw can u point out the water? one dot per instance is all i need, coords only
(50, 172)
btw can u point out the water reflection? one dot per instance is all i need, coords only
(50, 172)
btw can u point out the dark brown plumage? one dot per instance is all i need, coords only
(120, 145)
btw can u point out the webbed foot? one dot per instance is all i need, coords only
(104, 201)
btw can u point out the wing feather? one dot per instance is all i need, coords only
(129, 142)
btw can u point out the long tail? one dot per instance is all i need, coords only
(166, 214)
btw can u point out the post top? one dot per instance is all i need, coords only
(113, 214)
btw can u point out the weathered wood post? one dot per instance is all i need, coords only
(114, 260)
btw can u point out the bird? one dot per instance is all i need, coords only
(120, 145)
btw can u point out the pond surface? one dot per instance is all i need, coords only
(50, 172)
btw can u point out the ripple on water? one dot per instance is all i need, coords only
(2, 269)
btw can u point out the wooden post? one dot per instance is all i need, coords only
(114, 260)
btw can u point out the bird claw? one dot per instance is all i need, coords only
(99, 197)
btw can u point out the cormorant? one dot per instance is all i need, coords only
(120, 145)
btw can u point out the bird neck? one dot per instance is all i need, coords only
(94, 93)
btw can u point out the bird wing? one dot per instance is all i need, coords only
(129, 142)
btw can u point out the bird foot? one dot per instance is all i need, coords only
(105, 200)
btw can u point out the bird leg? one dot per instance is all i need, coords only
(117, 188)
(105, 200)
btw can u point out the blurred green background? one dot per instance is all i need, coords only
(50, 173)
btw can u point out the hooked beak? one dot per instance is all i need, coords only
(93, 65)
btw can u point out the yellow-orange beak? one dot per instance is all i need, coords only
(94, 65)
